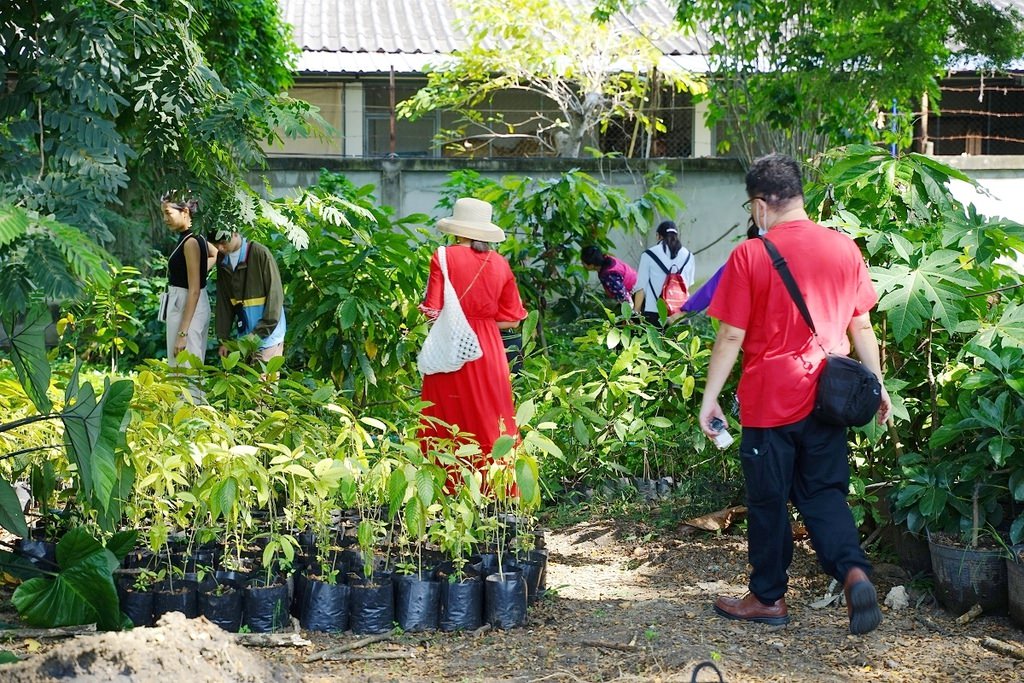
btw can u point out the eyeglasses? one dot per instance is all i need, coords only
(746, 204)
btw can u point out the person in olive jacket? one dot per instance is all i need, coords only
(250, 299)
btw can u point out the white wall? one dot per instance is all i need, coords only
(711, 223)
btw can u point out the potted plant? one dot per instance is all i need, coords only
(961, 494)
(413, 490)
(322, 594)
(372, 596)
(505, 593)
(457, 533)
(220, 600)
(135, 592)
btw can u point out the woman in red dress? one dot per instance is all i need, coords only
(474, 403)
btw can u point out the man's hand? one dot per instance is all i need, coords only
(885, 407)
(223, 351)
(708, 412)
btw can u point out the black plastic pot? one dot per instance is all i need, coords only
(462, 605)
(533, 573)
(136, 605)
(43, 554)
(140, 559)
(965, 577)
(265, 606)
(505, 600)
(371, 604)
(484, 564)
(417, 602)
(324, 606)
(299, 583)
(176, 596)
(223, 609)
(1015, 584)
(235, 579)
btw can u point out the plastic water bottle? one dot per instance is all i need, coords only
(723, 439)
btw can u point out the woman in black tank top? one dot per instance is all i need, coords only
(188, 307)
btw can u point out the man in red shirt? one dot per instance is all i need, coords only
(786, 453)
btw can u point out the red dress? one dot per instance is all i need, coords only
(477, 398)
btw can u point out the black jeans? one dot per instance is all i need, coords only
(806, 463)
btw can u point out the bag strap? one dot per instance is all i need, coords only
(650, 252)
(443, 262)
(685, 261)
(794, 291)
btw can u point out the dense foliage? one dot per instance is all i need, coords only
(106, 105)
(274, 454)
(950, 300)
(799, 77)
(591, 73)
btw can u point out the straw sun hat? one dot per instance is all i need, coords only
(471, 218)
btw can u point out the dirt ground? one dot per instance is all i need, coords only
(622, 609)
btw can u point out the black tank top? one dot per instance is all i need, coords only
(177, 270)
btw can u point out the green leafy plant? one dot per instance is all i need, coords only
(145, 579)
(350, 333)
(93, 427)
(591, 72)
(944, 294)
(978, 464)
(104, 324)
(83, 591)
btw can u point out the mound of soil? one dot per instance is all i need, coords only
(176, 649)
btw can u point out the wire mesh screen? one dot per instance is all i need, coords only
(978, 115)
(628, 137)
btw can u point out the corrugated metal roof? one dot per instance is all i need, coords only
(361, 36)
(372, 36)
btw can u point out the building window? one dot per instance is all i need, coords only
(676, 112)
(412, 138)
(979, 116)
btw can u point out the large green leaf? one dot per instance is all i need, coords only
(11, 516)
(18, 565)
(82, 593)
(92, 433)
(528, 478)
(28, 351)
(121, 543)
(934, 290)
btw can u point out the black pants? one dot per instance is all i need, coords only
(806, 463)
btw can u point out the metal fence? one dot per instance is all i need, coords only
(977, 115)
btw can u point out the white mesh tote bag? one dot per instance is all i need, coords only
(451, 342)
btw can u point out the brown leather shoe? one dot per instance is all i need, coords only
(749, 608)
(861, 602)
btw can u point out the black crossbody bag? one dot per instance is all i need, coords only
(849, 394)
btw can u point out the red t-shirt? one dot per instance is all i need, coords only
(781, 360)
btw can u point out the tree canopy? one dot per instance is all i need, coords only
(591, 72)
(798, 77)
(104, 105)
